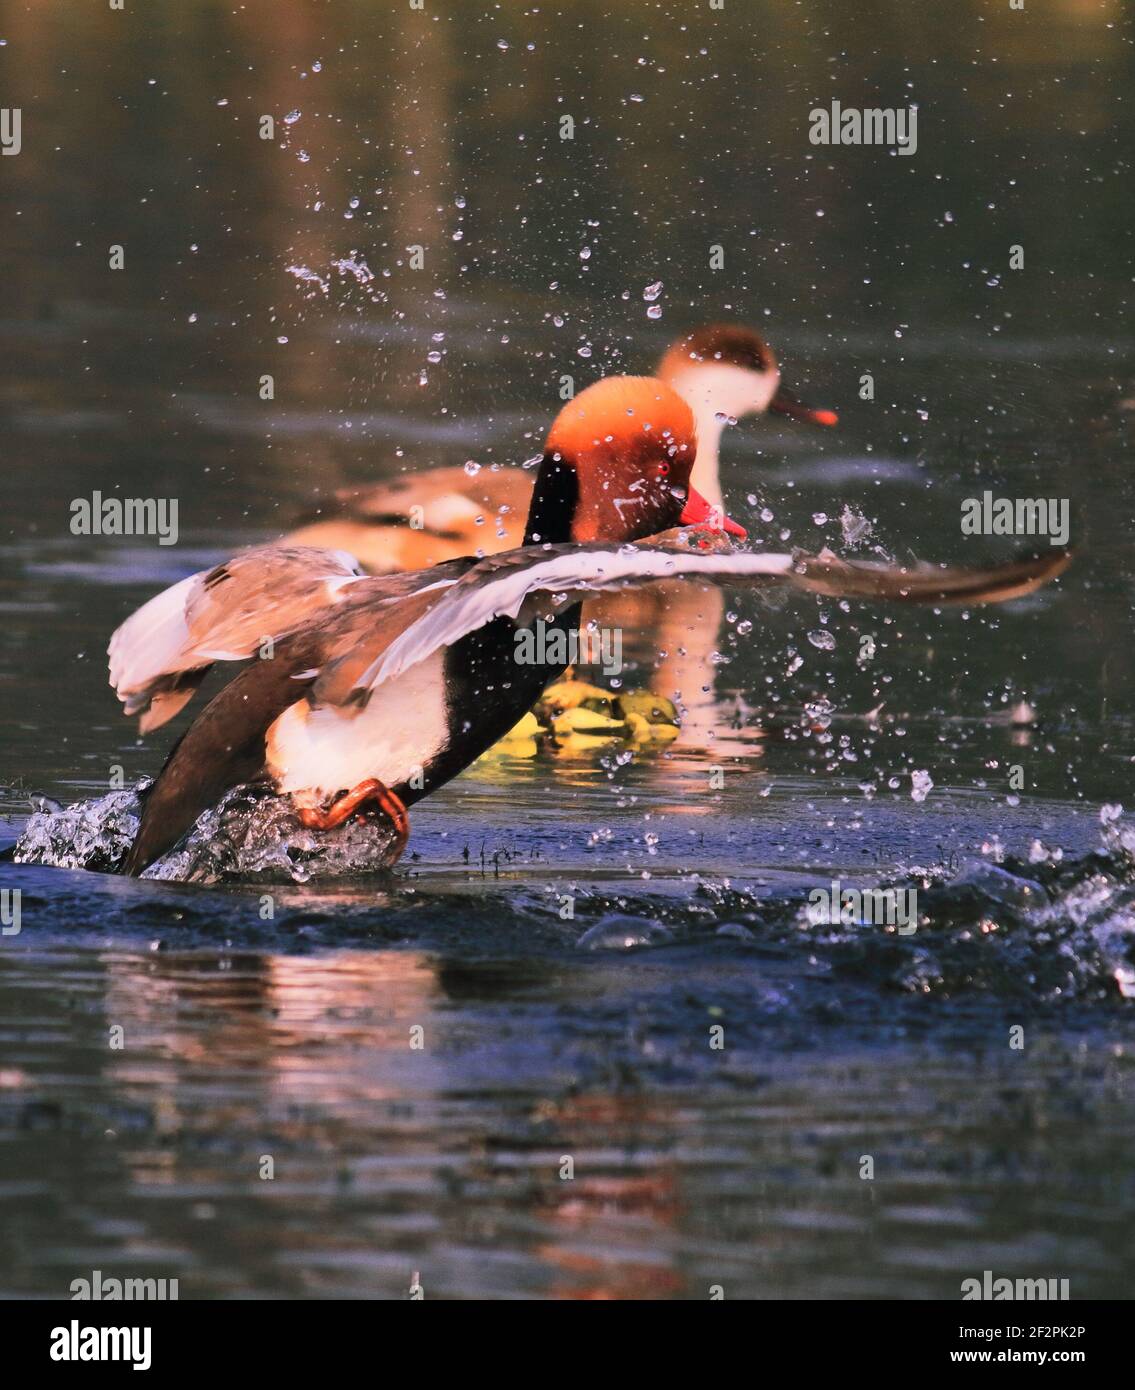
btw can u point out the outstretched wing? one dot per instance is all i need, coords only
(161, 653)
(563, 574)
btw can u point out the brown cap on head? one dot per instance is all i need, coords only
(732, 344)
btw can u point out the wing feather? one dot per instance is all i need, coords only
(499, 586)
(223, 614)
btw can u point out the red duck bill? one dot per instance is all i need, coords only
(699, 512)
(786, 402)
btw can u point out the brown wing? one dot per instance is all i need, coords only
(924, 583)
(224, 746)
(425, 518)
(160, 654)
(545, 578)
(449, 498)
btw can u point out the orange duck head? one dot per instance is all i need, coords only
(616, 467)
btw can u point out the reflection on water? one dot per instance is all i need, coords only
(450, 1160)
(290, 1037)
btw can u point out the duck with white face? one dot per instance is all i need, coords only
(378, 690)
(726, 372)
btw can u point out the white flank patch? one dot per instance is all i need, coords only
(451, 510)
(476, 601)
(328, 748)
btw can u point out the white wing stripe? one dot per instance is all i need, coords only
(475, 602)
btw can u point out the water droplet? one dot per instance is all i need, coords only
(921, 785)
(854, 525)
(623, 933)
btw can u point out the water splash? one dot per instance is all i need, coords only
(251, 834)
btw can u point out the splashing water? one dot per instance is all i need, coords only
(854, 525)
(355, 266)
(250, 834)
(307, 276)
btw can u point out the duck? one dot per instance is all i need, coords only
(363, 694)
(724, 372)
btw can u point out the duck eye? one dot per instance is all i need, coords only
(663, 469)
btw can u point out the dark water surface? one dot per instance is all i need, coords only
(290, 1036)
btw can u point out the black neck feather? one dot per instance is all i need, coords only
(554, 502)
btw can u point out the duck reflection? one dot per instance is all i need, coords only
(354, 1073)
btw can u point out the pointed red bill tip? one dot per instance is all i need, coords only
(788, 403)
(698, 512)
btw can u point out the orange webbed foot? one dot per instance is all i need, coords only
(392, 806)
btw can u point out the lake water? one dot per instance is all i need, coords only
(447, 1084)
